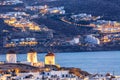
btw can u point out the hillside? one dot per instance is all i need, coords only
(110, 9)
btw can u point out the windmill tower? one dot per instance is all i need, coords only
(11, 56)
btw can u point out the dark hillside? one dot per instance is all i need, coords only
(110, 9)
(62, 28)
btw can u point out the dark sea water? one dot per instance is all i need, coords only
(93, 62)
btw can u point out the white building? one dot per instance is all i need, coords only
(11, 57)
(50, 59)
(32, 56)
(52, 75)
(56, 10)
(75, 40)
(107, 76)
(91, 39)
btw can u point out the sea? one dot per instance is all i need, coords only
(92, 62)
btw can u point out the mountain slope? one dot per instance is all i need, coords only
(110, 9)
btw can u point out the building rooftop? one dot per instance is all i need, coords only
(50, 54)
(11, 52)
(31, 51)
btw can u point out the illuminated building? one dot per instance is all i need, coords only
(11, 21)
(11, 57)
(92, 39)
(32, 56)
(50, 59)
(106, 39)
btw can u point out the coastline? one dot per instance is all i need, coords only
(87, 61)
(55, 51)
